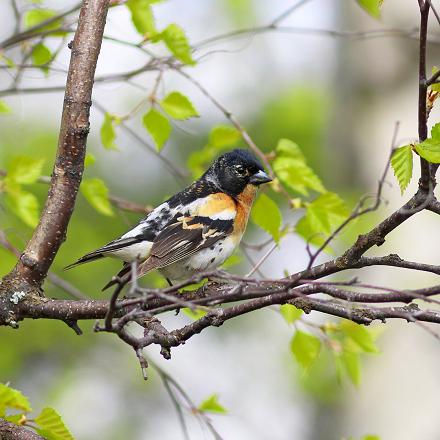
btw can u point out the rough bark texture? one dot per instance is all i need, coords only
(9, 431)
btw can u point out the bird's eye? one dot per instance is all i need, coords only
(241, 171)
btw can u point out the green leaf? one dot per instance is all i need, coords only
(370, 437)
(290, 313)
(175, 39)
(52, 426)
(402, 164)
(34, 17)
(267, 216)
(224, 136)
(25, 170)
(4, 108)
(429, 150)
(25, 205)
(142, 17)
(96, 193)
(435, 87)
(158, 126)
(352, 364)
(233, 260)
(89, 159)
(371, 6)
(41, 55)
(212, 405)
(11, 398)
(305, 347)
(323, 215)
(178, 106)
(291, 168)
(435, 132)
(360, 335)
(108, 134)
(194, 314)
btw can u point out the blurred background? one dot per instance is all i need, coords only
(339, 98)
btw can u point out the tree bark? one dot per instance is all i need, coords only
(9, 431)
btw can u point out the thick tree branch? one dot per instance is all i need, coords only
(69, 164)
(9, 431)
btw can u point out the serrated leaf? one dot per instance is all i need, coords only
(224, 136)
(4, 108)
(34, 17)
(291, 168)
(402, 164)
(290, 313)
(267, 216)
(52, 426)
(178, 106)
(175, 39)
(371, 6)
(322, 217)
(96, 193)
(158, 126)
(25, 170)
(25, 205)
(41, 54)
(435, 132)
(142, 17)
(429, 149)
(11, 398)
(305, 347)
(360, 335)
(108, 134)
(212, 405)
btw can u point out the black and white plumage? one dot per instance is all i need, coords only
(195, 230)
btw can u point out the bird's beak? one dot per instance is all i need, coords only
(259, 178)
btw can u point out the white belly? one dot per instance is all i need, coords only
(204, 260)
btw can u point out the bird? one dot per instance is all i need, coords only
(195, 230)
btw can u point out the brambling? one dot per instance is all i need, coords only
(195, 230)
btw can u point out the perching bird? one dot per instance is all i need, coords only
(195, 230)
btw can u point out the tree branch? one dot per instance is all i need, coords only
(9, 431)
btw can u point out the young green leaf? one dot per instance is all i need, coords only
(11, 398)
(4, 108)
(194, 314)
(435, 132)
(178, 106)
(25, 170)
(108, 134)
(360, 335)
(41, 54)
(290, 313)
(51, 425)
(96, 193)
(25, 205)
(371, 6)
(305, 347)
(175, 39)
(291, 168)
(436, 86)
(323, 215)
(370, 437)
(34, 17)
(429, 149)
(352, 364)
(89, 159)
(212, 405)
(142, 17)
(224, 136)
(267, 216)
(233, 260)
(158, 126)
(402, 164)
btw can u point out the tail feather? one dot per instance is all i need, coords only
(92, 256)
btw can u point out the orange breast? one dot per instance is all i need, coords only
(218, 202)
(244, 205)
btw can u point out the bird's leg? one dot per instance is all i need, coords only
(169, 282)
(171, 285)
(134, 288)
